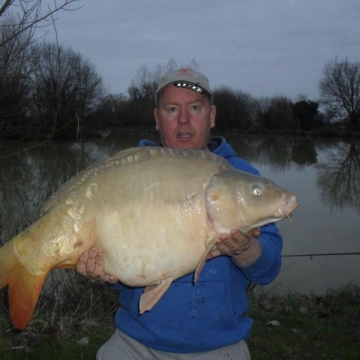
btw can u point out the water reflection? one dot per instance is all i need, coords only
(303, 152)
(339, 177)
(323, 173)
(29, 178)
(274, 150)
(338, 171)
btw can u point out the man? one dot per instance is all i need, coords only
(206, 320)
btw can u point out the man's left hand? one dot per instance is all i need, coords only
(236, 245)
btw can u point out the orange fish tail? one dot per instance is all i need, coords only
(24, 287)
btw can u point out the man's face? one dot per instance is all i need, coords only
(184, 118)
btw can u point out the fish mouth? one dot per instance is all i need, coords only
(287, 207)
(283, 211)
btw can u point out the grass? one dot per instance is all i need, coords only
(295, 326)
(72, 311)
(290, 326)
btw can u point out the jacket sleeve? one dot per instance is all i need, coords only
(266, 268)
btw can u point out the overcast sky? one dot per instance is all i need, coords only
(263, 47)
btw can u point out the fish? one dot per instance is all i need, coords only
(155, 213)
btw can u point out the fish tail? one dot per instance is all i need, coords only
(24, 287)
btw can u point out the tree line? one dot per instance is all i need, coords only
(47, 90)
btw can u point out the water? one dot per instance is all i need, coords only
(321, 243)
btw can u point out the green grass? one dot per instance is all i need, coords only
(311, 327)
(308, 327)
(36, 342)
(59, 345)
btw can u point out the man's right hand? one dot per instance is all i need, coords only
(91, 265)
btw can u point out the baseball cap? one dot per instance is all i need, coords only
(185, 78)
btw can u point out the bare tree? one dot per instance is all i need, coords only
(13, 79)
(275, 113)
(111, 112)
(19, 19)
(65, 89)
(235, 108)
(340, 89)
(30, 15)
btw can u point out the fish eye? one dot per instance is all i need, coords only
(256, 190)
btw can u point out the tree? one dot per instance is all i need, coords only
(30, 15)
(19, 20)
(305, 114)
(340, 89)
(111, 112)
(234, 109)
(13, 79)
(65, 89)
(275, 113)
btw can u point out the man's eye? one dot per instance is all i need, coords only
(195, 107)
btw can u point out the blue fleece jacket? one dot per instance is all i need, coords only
(211, 313)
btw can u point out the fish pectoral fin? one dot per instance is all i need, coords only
(24, 287)
(152, 294)
(209, 247)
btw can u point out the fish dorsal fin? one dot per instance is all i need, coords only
(152, 294)
(210, 244)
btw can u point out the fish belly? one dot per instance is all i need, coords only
(153, 245)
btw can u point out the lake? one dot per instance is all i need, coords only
(321, 242)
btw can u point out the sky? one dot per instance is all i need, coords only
(263, 47)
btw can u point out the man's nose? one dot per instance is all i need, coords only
(183, 116)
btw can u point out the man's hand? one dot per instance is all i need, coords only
(91, 265)
(244, 248)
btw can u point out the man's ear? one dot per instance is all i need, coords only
(212, 116)
(156, 116)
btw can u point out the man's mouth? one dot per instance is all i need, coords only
(185, 135)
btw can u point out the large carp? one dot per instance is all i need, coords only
(155, 213)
